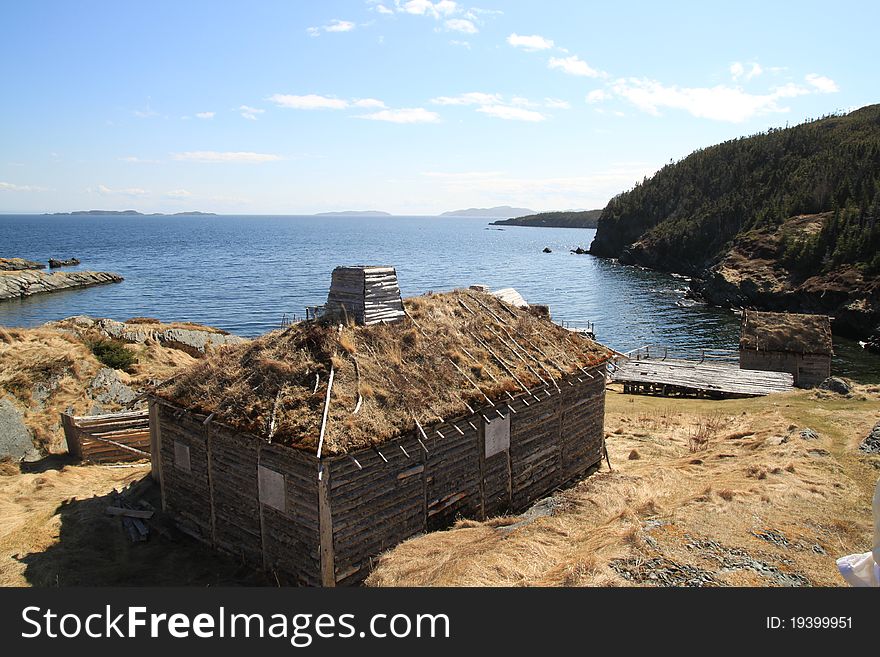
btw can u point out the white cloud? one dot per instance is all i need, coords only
(529, 43)
(368, 103)
(471, 98)
(463, 44)
(574, 65)
(556, 103)
(178, 194)
(721, 102)
(308, 102)
(132, 192)
(824, 84)
(337, 25)
(496, 105)
(224, 156)
(204, 115)
(428, 8)
(461, 25)
(738, 70)
(250, 113)
(382, 9)
(11, 187)
(511, 113)
(403, 115)
(519, 101)
(598, 96)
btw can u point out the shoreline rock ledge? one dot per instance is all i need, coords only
(25, 283)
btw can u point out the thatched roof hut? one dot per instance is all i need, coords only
(788, 332)
(787, 342)
(455, 350)
(314, 448)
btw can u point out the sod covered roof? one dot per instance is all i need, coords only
(787, 332)
(453, 349)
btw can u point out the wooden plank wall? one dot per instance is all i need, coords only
(186, 494)
(377, 497)
(217, 499)
(391, 494)
(104, 438)
(291, 537)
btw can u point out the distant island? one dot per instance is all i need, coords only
(127, 213)
(565, 219)
(499, 212)
(354, 213)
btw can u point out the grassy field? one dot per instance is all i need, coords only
(701, 493)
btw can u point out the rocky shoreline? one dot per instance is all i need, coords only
(24, 283)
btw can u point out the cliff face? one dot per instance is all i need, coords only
(785, 220)
(754, 273)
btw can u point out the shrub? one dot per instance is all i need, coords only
(113, 353)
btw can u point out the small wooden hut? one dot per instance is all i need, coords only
(787, 342)
(311, 450)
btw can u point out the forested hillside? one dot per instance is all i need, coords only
(686, 216)
(572, 219)
(784, 220)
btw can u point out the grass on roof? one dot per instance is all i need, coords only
(454, 349)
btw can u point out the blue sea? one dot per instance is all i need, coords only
(245, 273)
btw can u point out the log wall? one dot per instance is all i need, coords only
(808, 370)
(266, 503)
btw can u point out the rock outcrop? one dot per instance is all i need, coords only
(19, 264)
(194, 339)
(70, 262)
(19, 284)
(16, 441)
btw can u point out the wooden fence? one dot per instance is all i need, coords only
(109, 438)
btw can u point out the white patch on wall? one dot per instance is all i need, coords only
(181, 457)
(272, 489)
(497, 434)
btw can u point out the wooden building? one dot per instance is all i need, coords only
(786, 342)
(313, 449)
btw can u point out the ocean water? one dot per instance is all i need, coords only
(244, 273)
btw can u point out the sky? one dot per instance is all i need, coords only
(405, 106)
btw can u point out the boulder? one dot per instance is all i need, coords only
(580, 250)
(871, 443)
(15, 438)
(70, 262)
(835, 384)
(547, 249)
(107, 389)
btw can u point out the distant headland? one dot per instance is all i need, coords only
(498, 212)
(565, 219)
(354, 213)
(127, 213)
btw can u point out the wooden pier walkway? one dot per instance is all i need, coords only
(688, 377)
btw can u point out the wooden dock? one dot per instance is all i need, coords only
(705, 379)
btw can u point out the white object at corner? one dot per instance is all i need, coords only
(864, 569)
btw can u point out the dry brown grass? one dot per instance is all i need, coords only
(407, 370)
(54, 532)
(47, 370)
(716, 512)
